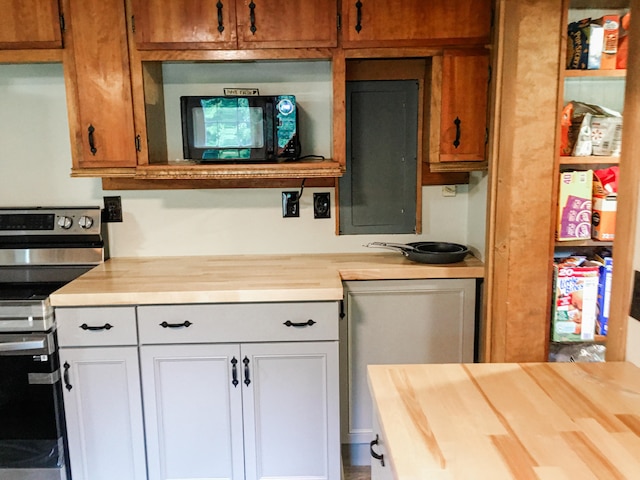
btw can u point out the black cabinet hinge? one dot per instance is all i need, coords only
(62, 25)
(339, 22)
(137, 142)
(133, 24)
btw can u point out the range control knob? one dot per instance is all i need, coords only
(65, 222)
(85, 222)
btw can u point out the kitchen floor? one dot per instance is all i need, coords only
(357, 473)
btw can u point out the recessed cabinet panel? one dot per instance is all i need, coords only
(287, 23)
(29, 24)
(99, 85)
(184, 24)
(104, 413)
(414, 22)
(193, 412)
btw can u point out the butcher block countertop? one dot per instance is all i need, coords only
(243, 278)
(510, 421)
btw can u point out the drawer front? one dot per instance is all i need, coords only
(103, 326)
(240, 322)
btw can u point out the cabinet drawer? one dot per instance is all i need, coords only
(84, 327)
(245, 322)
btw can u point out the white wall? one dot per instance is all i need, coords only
(35, 164)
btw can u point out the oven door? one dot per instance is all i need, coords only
(32, 425)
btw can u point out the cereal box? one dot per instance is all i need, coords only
(575, 300)
(604, 294)
(574, 205)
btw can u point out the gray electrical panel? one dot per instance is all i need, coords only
(377, 194)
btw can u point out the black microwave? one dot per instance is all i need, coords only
(240, 129)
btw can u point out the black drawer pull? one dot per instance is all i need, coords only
(456, 142)
(308, 323)
(106, 326)
(220, 20)
(65, 375)
(358, 16)
(247, 381)
(92, 144)
(252, 17)
(185, 324)
(377, 456)
(234, 371)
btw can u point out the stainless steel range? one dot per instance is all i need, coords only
(41, 249)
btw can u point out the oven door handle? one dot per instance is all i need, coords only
(19, 346)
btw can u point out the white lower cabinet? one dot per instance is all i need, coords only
(398, 322)
(229, 391)
(103, 413)
(252, 411)
(264, 410)
(102, 397)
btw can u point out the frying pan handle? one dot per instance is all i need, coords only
(395, 246)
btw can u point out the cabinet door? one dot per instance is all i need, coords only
(290, 408)
(463, 124)
(287, 23)
(98, 85)
(414, 22)
(193, 411)
(404, 322)
(184, 24)
(30, 24)
(103, 413)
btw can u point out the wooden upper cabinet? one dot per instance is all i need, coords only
(287, 23)
(27, 24)
(97, 77)
(414, 23)
(184, 24)
(463, 88)
(234, 24)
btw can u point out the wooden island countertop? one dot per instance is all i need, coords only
(509, 421)
(243, 278)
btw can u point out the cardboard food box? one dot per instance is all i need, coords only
(603, 218)
(574, 205)
(584, 45)
(605, 276)
(611, 27)
(604, 207)
(575, 301)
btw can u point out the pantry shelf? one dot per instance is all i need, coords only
(588, 160)
(596, 73)
(583, 243)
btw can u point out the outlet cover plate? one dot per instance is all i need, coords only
(321, 205)
(290, 204)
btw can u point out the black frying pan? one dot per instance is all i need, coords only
(427, 252)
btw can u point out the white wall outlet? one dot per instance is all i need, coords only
(449, 190)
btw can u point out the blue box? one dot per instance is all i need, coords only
(604, 295)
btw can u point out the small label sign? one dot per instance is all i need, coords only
(241, 92)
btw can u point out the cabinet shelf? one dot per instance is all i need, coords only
(583, 243)
(595, 73)
(591, 160)
(192, 170)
